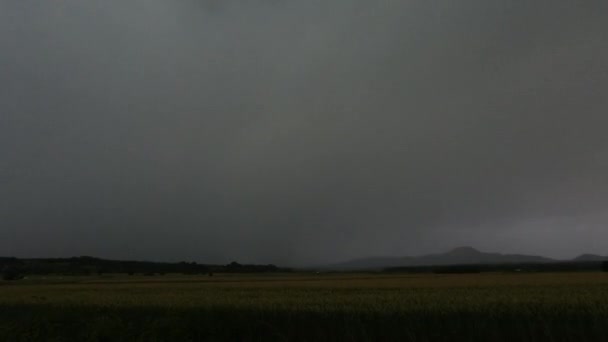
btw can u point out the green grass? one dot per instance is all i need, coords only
(299, 307)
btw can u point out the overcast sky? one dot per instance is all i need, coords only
(302, 131)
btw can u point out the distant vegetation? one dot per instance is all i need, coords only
(570, 266)
(13, 268)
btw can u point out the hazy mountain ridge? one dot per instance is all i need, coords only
(457, 256)
(590, 257)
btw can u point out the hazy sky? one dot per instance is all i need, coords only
(302, 131)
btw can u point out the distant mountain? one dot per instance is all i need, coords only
(457, 256)
(590, 257)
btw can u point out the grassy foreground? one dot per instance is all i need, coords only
(298, 307)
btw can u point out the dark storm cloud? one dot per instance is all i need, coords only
(302, 131)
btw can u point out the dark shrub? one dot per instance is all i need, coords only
(11, 273)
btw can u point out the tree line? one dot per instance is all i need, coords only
(571, 266)
(14, 268)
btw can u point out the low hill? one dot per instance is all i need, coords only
(85, 265)
(590, 257)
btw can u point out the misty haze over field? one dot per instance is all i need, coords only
(302, 131)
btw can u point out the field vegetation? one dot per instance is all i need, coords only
(308, 307)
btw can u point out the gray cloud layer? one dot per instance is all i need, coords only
(302, 131)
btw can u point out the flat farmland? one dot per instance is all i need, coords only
(308, 307)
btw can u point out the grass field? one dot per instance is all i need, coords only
(301, 307)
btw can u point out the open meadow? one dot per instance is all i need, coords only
(308, 307)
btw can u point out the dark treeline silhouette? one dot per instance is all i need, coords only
(584, 266)
(13, 268)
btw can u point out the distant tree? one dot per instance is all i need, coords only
(458, 269)
(102, 271)
(234, 267)
(11, 273)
